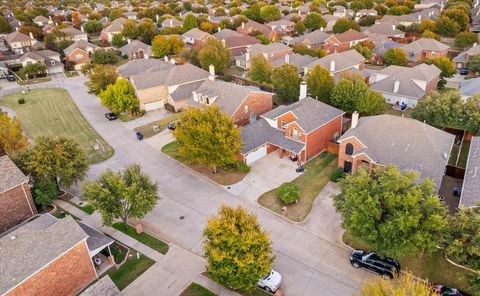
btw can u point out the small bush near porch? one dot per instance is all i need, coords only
(310, 184)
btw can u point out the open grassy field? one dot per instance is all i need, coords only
(51, 112)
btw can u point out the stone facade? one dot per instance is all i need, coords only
(16, 205)
(67, 275)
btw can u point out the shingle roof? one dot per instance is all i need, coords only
(16, 37)
(10, 175)
(32, 246)
(294, 59)
(195, 33)
(140, 66)
(225, 33)
(260, 133)
(310, 113)
(405, 142)
(470, 87)
(471, 182)
(426, 44)
(177, 75)
(315, 37)
(95, 239)
(72, 31)
(82, 44)
(103, 287)
(383, 29)
(350, 35)
(343, 60)
(134, 46)
(184, 91)
(115, 26)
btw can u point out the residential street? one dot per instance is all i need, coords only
(308, 255)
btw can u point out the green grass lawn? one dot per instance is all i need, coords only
(147, 129)
(433, 267)
(130, 270)
(144, 238)
(196, 290)
(51, 112)
(224, 176)
(316, 176)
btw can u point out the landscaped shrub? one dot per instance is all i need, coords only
(288, 193)
(21, 101)
(337, 175)
(242, 167)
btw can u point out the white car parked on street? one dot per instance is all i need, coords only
(271, 281)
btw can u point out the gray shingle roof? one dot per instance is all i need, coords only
(260, 133)
(10, 175)
(309, 112)
(315, 37)
(103, 287)
(471, 182)
(226, 33)
(184, 91)
(16, 37)
(95, 239)
(195, 33)
(343, 60)
(82, 44)
(32, 246)
(115, 26)
(134, 46)
(140, 66)
(177, 75)
(470, 87)
(294, 59)
(404, 142)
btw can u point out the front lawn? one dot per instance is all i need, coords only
(316, 176)
(153, 128)
(196, 290)
(130, 270)
(433, 267)
(143, 237)
(225, 176)
(51, 112)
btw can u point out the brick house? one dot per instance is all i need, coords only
(393, 140)
(344, 41)
(236, 42)
(270, 51)
(195, 38)
(49, 256)
(302, 129)
(16, 202)
(114, 28)
(425, 48)
(340, 62)
(462, 59)
(136, 49)
(314, 39)
(253, 27)
(79, 53)
(243, 103)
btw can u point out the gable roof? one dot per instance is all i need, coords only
(81, 44)
(294, 59)
(314, 37)
(225, 33)
(350, 35)
(134, 46)
(471, 183)
(195, 33)
(115, 26)
(343, 60)
(103, 287)
(140, 66)
(72, 31)
(16, 36)
(404, 142)
(426, 44)
(10, 175)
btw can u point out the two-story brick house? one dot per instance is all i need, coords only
(300, 130)
(79, 53)
(343, 41)
(253, 27)
(425, 48)
(20, 43)
(16, 202)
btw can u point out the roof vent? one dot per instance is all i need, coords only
(13, 237)
(445, 155)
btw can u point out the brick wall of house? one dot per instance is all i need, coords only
(317, 140)
(279, 54)
(331, 47)
(432, 84)
(342, 157)
(286, 118)
(83, 56)
(15, 206)
(258, 103)
(289, 132)
(435, 54)
(65, 276)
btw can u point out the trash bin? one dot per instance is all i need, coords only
(139, 136)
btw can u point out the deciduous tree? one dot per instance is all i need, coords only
(147, 31)
(104, 56)
(270, 13)
(344, 24)
(440, 109)
(260, 69)
(286, 82)
(44, 193)
(214, 53)
(92, 26)
(473, 63)
(190, 22)
(32, 70)
(300, 28)
(208, 136)
(122, 195)
(118, 40)
(395, 56)
(12, 139)
(466, 39)
(320, 83)
(5, 25)
(100, 77)
(353, 94)
(314, 21)
(446, 26)
(130, 29)
(238, 251)
(405, 285)
(444, 64)
(392, 211)
(119, 97)
(166, 45)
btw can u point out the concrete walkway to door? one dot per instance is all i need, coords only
(266, 174)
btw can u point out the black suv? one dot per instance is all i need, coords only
(384, 266)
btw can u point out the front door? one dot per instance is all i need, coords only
(347, 166)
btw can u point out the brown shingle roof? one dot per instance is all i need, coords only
(10, 175)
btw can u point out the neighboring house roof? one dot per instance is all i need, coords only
(171, 22)
(260, 133)
(72, 31)
(382, 46)
(135, 46)
(350, 35)
(16, 37)
(174, 76)
(310, 113)
(315, 37)
(463, 56)
(226, 33)
(115, 26)
(240, 41)
(294, 59)
(81, 44)
(140, 66)
(103, 287)
(383, 29)
(471, 181)
(424, 44)
(184, 91)
(95, 240)
(10, 175)
(397, 19)
(255, 26)
(40, 18)
(470, 87)
(343, 60)
(32, 246)
(195, 34)
(228, 96)
(46, 56)
(271, 48)
(404, 142)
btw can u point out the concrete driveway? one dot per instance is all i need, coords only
(265, 174)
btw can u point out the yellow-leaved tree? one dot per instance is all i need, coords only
(12, 139)
(404, 285)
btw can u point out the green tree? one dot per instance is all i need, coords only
(253, 13)
(395, 56)
(92, 27)
(286, 82)
(104, 57)
(208, 136)
(12, 139)
(147, 31)
(238, 251)
(119, 97)
(300, 28)
(32, 70)
(427, 24)
(122, 195)
(214, 53)
(314, 21)
(130, 29)
(344, 24)
(446, 26)
(444, 64)
(166, 45)
(5, 25)
(320, 83)
(392, 211)
(118, 40)
(100, 77)
(44, 193)
(364, 51)
(473, 63)
(190, 22)
(466, 39)
(354, 95)
(270, 13)
(260, 69)
(470, 115)
(304, 50)
(405, 285)
(459, 16)
(430, 34)
(440, 109)
(59, 160)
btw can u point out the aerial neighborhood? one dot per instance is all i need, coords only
(234, 147)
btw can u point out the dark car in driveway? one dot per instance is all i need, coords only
(172, 125)
(463, 71)
(384, 266)
(110, 116)
(11, 78)
(446, 291)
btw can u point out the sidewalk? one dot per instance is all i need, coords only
(214, 287)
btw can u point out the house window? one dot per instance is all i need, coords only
(245, 108)
(294, 133)
(78, 56)
(52, 62)
(283, 124)
(349, 149)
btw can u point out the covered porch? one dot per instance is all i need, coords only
(99, 249)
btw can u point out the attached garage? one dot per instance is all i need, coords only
(153, 106)
(256, 154)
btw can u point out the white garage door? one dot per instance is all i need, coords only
(153, 106)
(256, 154)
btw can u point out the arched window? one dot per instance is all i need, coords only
(349, 149)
